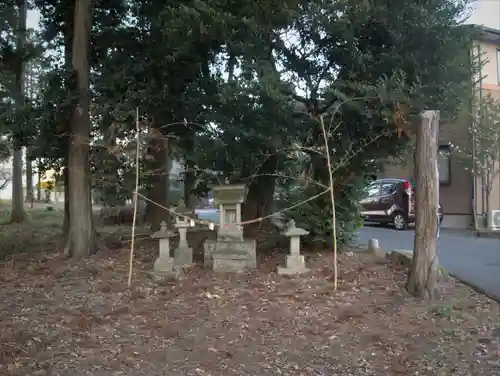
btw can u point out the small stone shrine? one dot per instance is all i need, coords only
(164, 264)
(230, 252)
(295, 263)
(183, 254)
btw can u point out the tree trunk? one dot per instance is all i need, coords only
(69, 15)
(66, 203)
(39, 184)
(159, 150)
(82, 237)
(189, 180)
(189, 175)
(18, 214)
(487, 188)
(423, 277)
(259, 200)
(30, 194)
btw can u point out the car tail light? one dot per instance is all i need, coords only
(407, 187)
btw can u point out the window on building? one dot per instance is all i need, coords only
(444, 165)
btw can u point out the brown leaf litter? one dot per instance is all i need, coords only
(64, 317)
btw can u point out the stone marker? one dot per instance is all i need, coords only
(295, 263)
(401, 257)
(183, 254)
(164, 264)
(374, 248)
(208, 250)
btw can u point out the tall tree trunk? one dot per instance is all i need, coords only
(189, 174)
(82, 240)
(18, 214)
(159, 149)
(30, 194)
(487, 195)
(259, 200)
(66, 221)
(423, 277)
(69, 16)
(39, 183)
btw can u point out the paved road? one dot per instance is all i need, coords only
(475, 260)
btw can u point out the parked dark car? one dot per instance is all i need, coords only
(391, 202)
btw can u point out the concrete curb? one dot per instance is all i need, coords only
(480, 290)
(488, 234)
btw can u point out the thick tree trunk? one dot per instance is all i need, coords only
(66, 204)
(189, 180)
(189, 176)
(30, 194)
(423, 277)
(159, 150)
(82, 236)
(39, 184)
(69, 15)
(18, 214)
(259, 200)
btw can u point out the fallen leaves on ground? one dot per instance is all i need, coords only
(63, 317)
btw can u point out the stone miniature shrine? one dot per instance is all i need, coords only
(230, 252)
(183, 254)
(164, 264)
(295, 263)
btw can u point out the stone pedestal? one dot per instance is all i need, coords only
(208, 250)
(295, 263)
(230, 253)
(164, 264)
(234, 255)
(183, 254)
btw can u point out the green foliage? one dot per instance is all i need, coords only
(316, 216)
(17, 111)
(479, 153)
(446, 311)
(233, 86)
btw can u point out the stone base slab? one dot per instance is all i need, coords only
(183, 256)
(164, 264)
(208, 250)
(294, 265)
(234, 256)
(164, 268)
(229, 263)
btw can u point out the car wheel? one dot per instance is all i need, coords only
(399, 221)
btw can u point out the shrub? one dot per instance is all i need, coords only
(315, 216)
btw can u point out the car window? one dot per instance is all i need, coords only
(387, 188)
(373, 190)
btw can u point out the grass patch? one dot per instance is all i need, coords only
(41, 232)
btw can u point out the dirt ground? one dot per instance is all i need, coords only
(64, 317)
